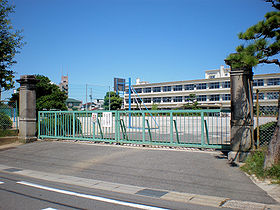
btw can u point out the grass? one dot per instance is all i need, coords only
(254, 165)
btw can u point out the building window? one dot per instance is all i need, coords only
(126, 91)
(226, 97)
(214, 85)
(178, 99)
(166, 99)
(212, 77)
(156, 100)
(147, 100)
(258, 82)
(156, 89)
(201, 98)
(201, 86)
(178, 88)
(147, 90)
(214, 97)
(137, 100)
(272, 95)
(261, 96)
(189, 87)
(226, 84)
(127, 101)
(274, 81)
(138, 90)
(166, 88)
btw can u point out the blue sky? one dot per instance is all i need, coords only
(156, 40)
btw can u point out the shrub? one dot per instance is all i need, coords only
(5, 121)
(254, 165)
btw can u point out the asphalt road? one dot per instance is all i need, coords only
(15, 195)
(200, 173)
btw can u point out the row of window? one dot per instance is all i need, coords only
(201, 86)
(270, 82)
(225, 97)
(269, 96)
(216, 97)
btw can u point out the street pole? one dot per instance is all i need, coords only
(91, 98)
(109, 99)
(86, 97)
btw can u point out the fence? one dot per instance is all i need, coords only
(189, 128)
(265, 116)
(8, 115)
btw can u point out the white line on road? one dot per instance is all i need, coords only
(1, 182)
(93, 197)
(49, 209)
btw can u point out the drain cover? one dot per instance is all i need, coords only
(153, 193)
(12, 169)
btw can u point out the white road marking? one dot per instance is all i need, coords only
(49, 209)
(93, 197)
(1, 182)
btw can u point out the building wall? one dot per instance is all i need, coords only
(63, 85)
(214, 92)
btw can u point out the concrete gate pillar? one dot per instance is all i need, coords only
(27, 108)
(242, 118)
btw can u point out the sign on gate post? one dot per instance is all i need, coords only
(94, 117)
(107, 119)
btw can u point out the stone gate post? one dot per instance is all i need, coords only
(242, 117)
(27, 108)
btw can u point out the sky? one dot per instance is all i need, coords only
(94, 41)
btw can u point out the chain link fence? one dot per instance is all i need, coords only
(266, 113)
(8, 115)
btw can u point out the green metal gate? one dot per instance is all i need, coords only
(184, 128)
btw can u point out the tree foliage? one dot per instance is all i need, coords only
(192, 104)
(10, 43)
(48, 95)
(262, 42)
(115, 101)
(154, 107)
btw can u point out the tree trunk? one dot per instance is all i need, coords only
(273, 153)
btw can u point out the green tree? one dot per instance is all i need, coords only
(115, 101)
(10, 43)
(262, 46)
(48, 95)
(154, 107)
(192, 104)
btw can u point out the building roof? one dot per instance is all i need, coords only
(256, 76)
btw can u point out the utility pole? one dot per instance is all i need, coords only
(86, 98)
(90, 98)
(109, 99)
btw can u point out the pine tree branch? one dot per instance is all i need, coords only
(275, 61)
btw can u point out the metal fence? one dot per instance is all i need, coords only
(265, 117)
(8, 115)
(187, 128)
